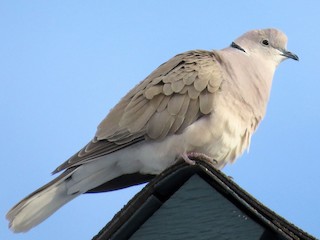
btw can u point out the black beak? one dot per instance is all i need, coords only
(289, 55)
(234, 45)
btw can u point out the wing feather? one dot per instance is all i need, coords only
(171, 98)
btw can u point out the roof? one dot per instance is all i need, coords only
(162, 187)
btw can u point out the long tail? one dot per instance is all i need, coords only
(42, 203)
(39, 205)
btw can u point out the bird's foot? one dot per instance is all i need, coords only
(186, 157)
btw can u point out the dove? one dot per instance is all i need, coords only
(198, 103)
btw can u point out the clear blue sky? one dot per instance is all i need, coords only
(64, 64)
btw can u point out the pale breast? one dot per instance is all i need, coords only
(222, 135)
(225, 134)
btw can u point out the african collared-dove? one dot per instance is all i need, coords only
(198, 103)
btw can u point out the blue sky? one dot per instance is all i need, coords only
(64, 64)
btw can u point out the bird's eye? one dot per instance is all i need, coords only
(265, 42)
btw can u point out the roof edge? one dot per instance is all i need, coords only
(210, 174)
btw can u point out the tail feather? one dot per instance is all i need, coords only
(86, 181)
(42, 203)
(39, 205)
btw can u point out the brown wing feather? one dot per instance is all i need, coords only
(171, 98)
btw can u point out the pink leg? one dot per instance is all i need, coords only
(186, 157)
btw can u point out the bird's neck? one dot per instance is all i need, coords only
(250, 76)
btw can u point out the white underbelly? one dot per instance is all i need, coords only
(222, 137)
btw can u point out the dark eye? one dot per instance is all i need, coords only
(265, 42)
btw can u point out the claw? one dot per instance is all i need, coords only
(186, 157)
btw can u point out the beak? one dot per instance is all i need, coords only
(288, 54)
(234, 45)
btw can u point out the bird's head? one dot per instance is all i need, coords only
(267, 43)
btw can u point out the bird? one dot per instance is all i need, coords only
(205, 103)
